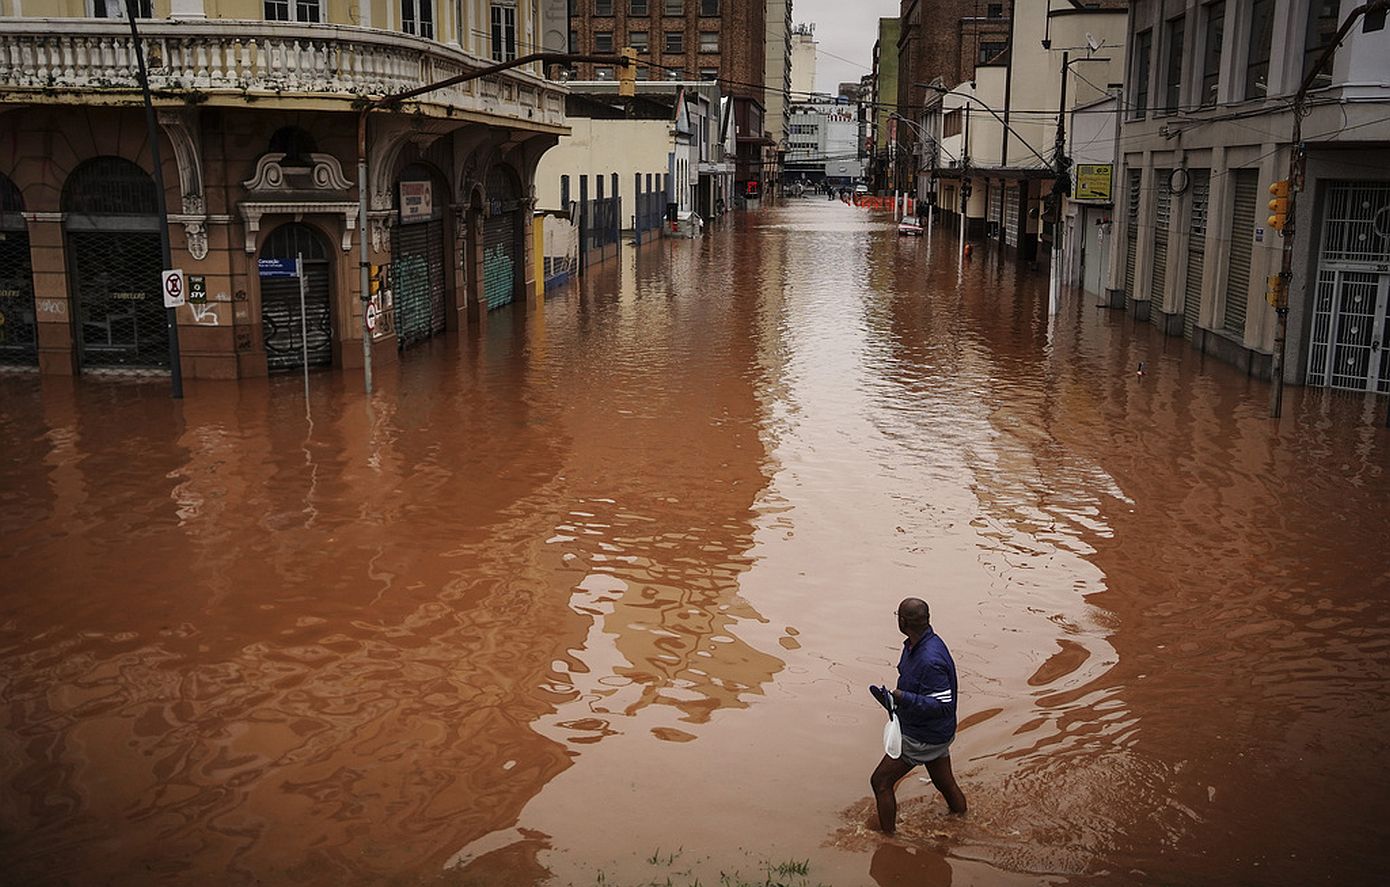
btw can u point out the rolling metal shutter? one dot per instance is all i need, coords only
(1011, 220)
(280, 320)
(1241, 248)
(1163, 205)
(1196, 253)
(1131, 235)
(499, 259)
(417, 281)
(121, 319)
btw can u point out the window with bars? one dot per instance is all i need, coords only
(639, 40)
(675, 41)
(709, 41)
(640, 7)
(603, 42)
(673, 7)
(603, 7)
(417, 17)
(504, 33)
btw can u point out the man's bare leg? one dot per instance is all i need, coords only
(945, 782)
(884, 782)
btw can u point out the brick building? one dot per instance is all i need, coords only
(689, 40)
(943, 39)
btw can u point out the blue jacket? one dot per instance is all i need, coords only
(927, 681)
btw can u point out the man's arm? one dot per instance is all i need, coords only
(931, 704)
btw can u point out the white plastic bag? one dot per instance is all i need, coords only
(893, 737)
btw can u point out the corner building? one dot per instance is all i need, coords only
(258, 140)
(1207, 129)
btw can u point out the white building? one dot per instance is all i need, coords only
(803, 61)
(1207, 129)
(823, 143)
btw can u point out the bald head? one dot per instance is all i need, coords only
(914, 616)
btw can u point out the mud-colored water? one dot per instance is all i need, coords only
(598, 589)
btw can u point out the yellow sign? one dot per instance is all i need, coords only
(1093, 181)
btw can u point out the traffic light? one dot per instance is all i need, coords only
(374, 276)
(627, 76)
(1279, 206)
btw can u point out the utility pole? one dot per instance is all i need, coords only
(964, 178)
(161, 207)
(624, 61)
(1061, 185)
(1279, 292)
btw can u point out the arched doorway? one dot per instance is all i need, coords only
(502, 252)
(19, 342)
(114, 262)
(283, 333)
(418, 275)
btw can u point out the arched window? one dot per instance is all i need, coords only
(110, 186)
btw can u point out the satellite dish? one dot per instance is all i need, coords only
(1093, 43)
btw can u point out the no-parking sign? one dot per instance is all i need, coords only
(173, 288)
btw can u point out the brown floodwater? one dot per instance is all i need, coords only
(592, 595)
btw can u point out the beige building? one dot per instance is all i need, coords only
(777, 68)
(803, 74)
(1207, 127)
(257, 134)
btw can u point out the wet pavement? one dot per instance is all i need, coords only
(596, 591)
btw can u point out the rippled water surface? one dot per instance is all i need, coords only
(598, 589)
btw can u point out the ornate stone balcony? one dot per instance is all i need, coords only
(232, 62)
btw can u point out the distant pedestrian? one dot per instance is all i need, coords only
(925, 700)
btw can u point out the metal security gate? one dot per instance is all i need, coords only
(1158, 283)
(115, 260)
(501, 239)
(282, 332)
(1350, 345)
(417, 280)
(1131, 235)
(120, 316)
(1196, 253)
(1242, 244)
(996, 211)
(19, 341)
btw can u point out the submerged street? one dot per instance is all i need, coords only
(593, 594)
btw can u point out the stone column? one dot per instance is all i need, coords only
(55, 311)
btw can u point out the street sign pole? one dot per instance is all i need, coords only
(152, 125)
(303, 323)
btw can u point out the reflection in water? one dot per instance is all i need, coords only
(612, 577)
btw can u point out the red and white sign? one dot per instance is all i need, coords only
(417, 201)
(173, 288)
(373, 315)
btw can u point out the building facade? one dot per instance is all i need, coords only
(777, 69)
(680, 40)
(1207, 127)
(803, 61)
(257, 128)
(943, 41)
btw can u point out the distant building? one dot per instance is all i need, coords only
(823, 145)
(683, 40)
(777, 74)
(803, 62)
(882, 145)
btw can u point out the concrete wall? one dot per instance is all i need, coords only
(604, 147)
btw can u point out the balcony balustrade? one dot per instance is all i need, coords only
(258, 61)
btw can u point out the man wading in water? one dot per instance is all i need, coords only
(925, 700)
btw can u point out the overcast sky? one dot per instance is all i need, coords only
(844, 29)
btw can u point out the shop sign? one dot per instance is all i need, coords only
(417, 201)
(1093, 182)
